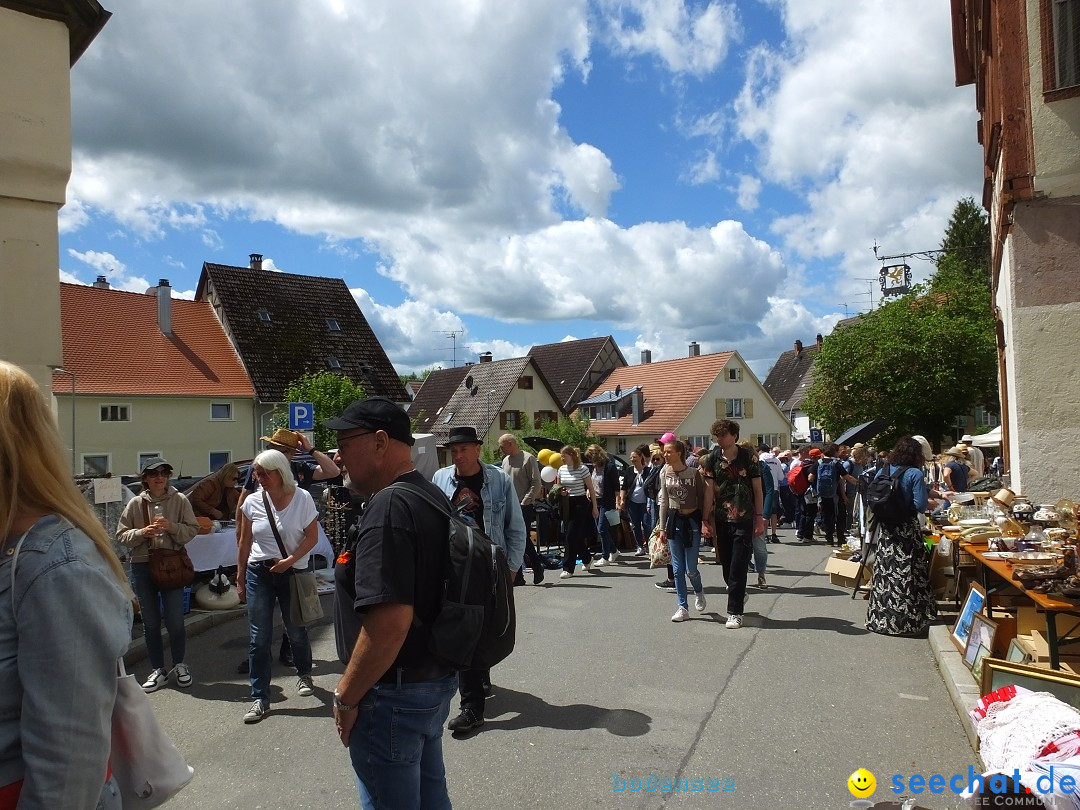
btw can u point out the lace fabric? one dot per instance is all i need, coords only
(1015, 732)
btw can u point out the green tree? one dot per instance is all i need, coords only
(572, 430)
(417, 375)
(329, 393)
(919, 361)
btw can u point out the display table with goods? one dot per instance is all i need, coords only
(209, 551)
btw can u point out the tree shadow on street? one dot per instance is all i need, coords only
(510, 710)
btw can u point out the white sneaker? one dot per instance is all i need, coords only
(589, 566)
(681, 615)
(613, 557)
(734, 622)
(600, 563)
(304, 686)
(566, 575)
(699, 602)
(157, 679)
(257, 712)
(183, 675)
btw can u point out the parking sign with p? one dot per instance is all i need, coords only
(301, 416)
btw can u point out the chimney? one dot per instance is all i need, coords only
(695, 349)
(820, 339)
(164, 306)
(637, 407)
(646, 356)
(102, 283)
(485, 357)
(798, 348)
(255, 261)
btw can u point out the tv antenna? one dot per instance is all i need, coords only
(452, 334)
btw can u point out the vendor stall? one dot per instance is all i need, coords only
(208, 551)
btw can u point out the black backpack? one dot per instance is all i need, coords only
(886, 498)
(475, 627)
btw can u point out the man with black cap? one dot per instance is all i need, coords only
(394, 696)
(484, 494)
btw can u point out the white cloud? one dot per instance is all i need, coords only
(413, 332)
(706, 170)
(747, 192)
(685, 40)
(101, 261)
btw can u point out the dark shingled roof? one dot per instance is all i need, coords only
(791, 377)
(438, 387)
(573, 368)
(297, 338)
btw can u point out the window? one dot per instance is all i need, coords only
(510, 420)
(525, 382)
(221, 410)
(146, 455)
(540, 417)
(698, 441)
(115, 413)
(263, 315)
(1060, 28)
(733, 409)
(334, 363)
(219, 459)
(986, 418)
(332, 325)
(94, 464)
(734, 374)
(621, 447)
(449, 416)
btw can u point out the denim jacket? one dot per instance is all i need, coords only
(59, 644)
(503, 522)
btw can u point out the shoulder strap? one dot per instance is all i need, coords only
(271, 518)
(444, 508)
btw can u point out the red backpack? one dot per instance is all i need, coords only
(797, 479)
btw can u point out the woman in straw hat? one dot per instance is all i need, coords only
(65, 617)
(954, 469)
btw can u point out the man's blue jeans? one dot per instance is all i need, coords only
(684, 542)
(396, 745)
(173, 600)
(264, 590)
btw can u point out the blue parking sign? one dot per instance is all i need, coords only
(301, 416)
(815, 434)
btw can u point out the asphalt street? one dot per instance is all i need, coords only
(604, 692)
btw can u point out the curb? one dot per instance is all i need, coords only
(958, 679)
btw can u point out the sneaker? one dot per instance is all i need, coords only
(667, 585)
(566, 575)
(183, 675)
(600, 563)
(761, 581)
(681, 615)
(257, 712)
(157, 679)
(641, 552)
(304, 686)
(699, 602)
(613, 557)
(466, 721)
(775, 538)
(734, 622)
(590, 565)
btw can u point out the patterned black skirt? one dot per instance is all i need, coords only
(901, 599)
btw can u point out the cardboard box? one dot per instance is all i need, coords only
(843, 572)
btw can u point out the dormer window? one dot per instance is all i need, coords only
(332, 325)
(334, 363)
(264, 315)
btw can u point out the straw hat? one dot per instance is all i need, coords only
(955, 452)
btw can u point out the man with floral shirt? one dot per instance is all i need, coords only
(733, 510)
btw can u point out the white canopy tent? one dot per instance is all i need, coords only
(989, 439)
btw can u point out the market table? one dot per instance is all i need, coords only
(1045, 604)
(208, 551)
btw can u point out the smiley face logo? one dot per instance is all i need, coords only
(861, 783)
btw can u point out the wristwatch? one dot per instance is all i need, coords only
(342, 707)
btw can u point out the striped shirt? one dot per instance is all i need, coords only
(573, 480)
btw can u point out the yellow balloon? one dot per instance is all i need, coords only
(543, 456)
(554, 461)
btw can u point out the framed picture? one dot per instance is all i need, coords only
(980, 659)
(1016, 653)
(973, 604)
(996, 673)
(980, 636)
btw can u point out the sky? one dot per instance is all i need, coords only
(486, 176)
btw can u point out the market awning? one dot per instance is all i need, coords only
(989, 439)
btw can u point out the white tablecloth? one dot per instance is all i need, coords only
(208, 551)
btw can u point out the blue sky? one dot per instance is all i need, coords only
(657, 170)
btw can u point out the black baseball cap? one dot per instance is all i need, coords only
(375, 413)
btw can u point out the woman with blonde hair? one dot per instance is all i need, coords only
(575, 480)
(216, 496)
(54, 734)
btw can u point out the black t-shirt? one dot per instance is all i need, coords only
(400, 557)
(467, 498)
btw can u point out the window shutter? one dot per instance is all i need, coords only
(721, 409)
(748, 409)
(502, 420)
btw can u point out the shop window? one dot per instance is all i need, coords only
(115, 413)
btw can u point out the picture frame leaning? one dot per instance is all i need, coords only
(997, 673)
(980, 637)
(974, 603)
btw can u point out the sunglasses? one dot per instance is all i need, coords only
(158, 473)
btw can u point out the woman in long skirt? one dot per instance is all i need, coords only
(901, 598)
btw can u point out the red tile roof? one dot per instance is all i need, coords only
(672, 388)
(113, 344)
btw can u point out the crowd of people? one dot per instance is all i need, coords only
(395, 693)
